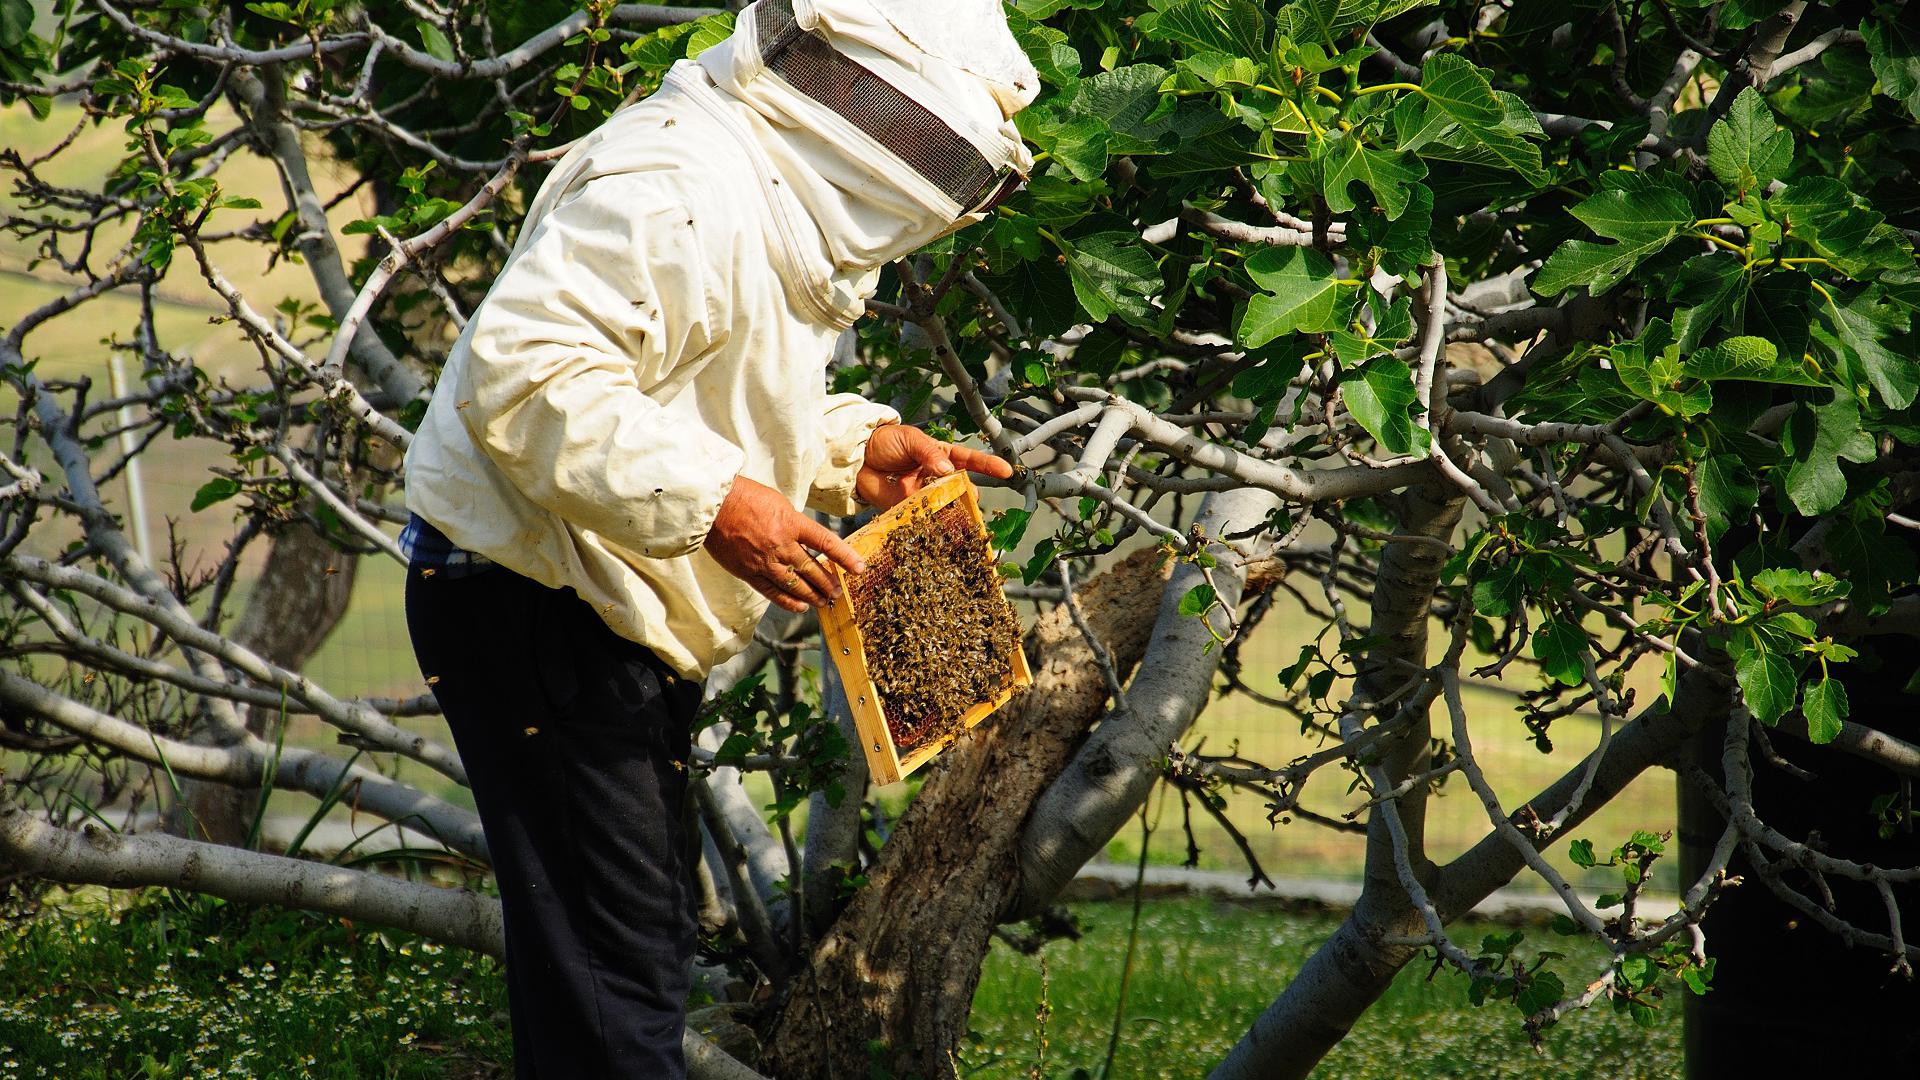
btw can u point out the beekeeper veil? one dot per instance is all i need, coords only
(890, 120)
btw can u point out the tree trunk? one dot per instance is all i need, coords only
(900, 965)
(1345, 976)
(301, 595)
(833, 832)
(1112, 772)
(1349, 972)
(1782, 985)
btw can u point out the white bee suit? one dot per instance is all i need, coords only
(665, 318)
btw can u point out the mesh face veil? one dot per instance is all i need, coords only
(893, 119)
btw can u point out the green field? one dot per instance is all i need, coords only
(152, 987)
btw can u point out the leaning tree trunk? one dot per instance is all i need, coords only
(914, 935)
(1760, 1016)
(1356, 964)
(300, 596)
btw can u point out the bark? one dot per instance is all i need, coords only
(1355, 965)
(296, 768)
(300, 596)
(1348, 974)
(97, 856)
(1402, 599)
(734, 816)
(901, 963)
(733, 810)
(1113, 770)
(262, 94)
(833, 832)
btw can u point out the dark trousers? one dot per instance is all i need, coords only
(575, 742)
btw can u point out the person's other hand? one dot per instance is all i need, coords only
(901, 459)
(761, 539)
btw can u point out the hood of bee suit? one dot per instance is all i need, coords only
(956, 58)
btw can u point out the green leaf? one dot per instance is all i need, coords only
(1707, 290)
(1057, 61)
(1037, 565)
(1081, 146)
(1402, 244)
(1825, 707)
(213, 491)
(1747, 150)
(1543, 991)
(1698, 979)
(1113, 273)
(1727, 492)
(1740, 14)
(1344, 159)
(1381, 397)
(1008, 527)
(1822, 212)
(1392, 328)
(708, 32)
(1459, 89)
(1301, 295)
(1232, 27)
(1858, 541)
(1815, 439)
(1638, 970)
(1778, 309)
(16, 22)
(1221, 70)
(434, 40)
(1197, 600)
(1292, 672)
(1893, 48)
(1650, 368)
(1747, 359)
(1323, 21)
(1128, 101)
(1460, 117)
(1766, 681)
(1557, 645)
(1642, 213)
(1580, 853)
(1332, 22)
(1800, 588)
(1864, 325)
(1670, 678)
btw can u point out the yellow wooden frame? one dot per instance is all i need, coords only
(842, 634)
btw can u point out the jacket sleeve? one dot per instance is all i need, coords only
(608, 297)
(846, 423)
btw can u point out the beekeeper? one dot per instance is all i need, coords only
(604, 489)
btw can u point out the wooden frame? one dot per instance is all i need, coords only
(843, 640)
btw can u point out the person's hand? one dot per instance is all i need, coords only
(761, 539)
(901, 459)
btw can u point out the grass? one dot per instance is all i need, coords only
(158, 987)
(150, 986)
(1204, 970)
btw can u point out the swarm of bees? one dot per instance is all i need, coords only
(940, 636)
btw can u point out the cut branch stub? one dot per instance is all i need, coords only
(926, 642)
